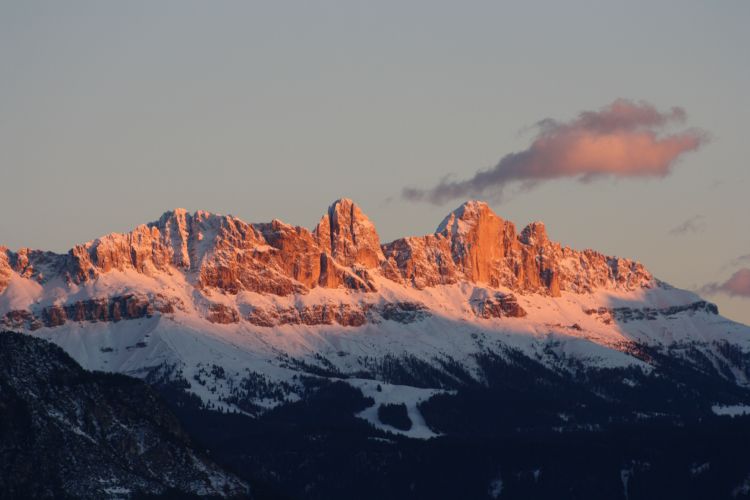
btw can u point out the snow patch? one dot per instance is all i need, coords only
(396, 394)
(731, 410)
(496, 487)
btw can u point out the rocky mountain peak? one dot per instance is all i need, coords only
(178, 212)
(479, 240)
(175, 226)
(467, 216)
(220, 252)
(535, 234)
(5, 270)
(350, 235)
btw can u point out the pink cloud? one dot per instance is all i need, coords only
(624, 139)
(738, 285)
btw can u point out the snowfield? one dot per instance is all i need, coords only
(557, 331)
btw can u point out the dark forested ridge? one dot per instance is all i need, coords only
(69, 433)
(524, 431)
(528, 432)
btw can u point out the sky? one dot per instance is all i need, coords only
(113, 112)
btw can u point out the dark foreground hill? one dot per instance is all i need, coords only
(69, 433)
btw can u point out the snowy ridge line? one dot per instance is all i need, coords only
(242, 314)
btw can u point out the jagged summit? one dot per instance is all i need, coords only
(349, 235)
(534, 233)
(222, 252)
(174, 213)
(468, 212)
(183, 214)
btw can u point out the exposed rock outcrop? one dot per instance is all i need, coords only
(497, 305)
(217, 253)
(627, 314)
(118, 308)
(224, 315)
(475, 245)
(341, 314)
(5, 271)
(349, 235)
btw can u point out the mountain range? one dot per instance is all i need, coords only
(477, 332)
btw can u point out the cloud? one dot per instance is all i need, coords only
(738, 285)
(692, 225)
(623, 139)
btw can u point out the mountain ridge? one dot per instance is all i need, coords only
(471, 244)
(244, 316)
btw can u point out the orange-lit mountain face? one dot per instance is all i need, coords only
(244, 315)
(224, 253)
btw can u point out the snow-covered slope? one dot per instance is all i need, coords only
(243, 313)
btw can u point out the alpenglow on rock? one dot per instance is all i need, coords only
(244, 315)
(224, 253)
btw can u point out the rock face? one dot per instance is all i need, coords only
(349, 235)
(497, 305)
(341, 314)
(5, 270)
(626, 314)
(225, 315)
(216, 253)
(31, 264)
(475, 245)
(68, 433)
(117, 308)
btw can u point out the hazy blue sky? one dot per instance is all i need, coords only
(111, 113)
